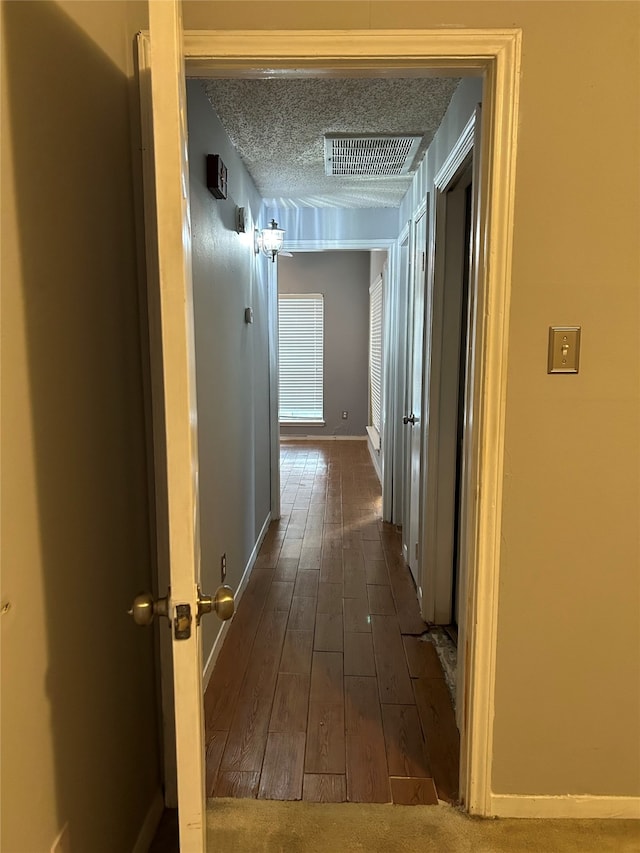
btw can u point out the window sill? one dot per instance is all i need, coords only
(302, 423)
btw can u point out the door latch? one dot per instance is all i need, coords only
(182, 622)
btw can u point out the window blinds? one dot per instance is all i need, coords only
(300, 351)
(375, 353)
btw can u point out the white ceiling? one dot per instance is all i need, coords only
(278, 125)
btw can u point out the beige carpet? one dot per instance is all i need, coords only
(259, 826)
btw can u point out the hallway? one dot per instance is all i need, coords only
(323, 690)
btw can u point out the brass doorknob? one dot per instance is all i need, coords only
(145, 607)
(222, 602)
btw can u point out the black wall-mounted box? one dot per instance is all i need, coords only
(216, 176)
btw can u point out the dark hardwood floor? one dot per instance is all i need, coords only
(323, 690)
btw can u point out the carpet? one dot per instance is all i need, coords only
(265, 826)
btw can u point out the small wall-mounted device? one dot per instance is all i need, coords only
(241, 220)
(564, 349)
(248, 315)
(216, 176)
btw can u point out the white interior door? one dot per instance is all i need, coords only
(413, 409)
(168, 241)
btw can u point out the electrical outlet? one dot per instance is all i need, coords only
(223, 568)
(345, 415)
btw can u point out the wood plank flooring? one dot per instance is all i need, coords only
(323, 690)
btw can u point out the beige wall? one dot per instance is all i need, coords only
(79, 729)
(567, 691)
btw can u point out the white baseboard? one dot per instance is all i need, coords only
(222, 633)
(565, 806)
(284, 437)
(150, 824)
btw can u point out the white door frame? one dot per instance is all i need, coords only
(274, 420)
(495, 54)
(399, 282)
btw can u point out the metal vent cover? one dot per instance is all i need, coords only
(380, 155)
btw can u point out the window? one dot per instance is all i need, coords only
(301, 351)
(375, 355)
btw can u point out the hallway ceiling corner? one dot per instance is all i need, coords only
(278, 128)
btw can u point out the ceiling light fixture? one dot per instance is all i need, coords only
(269, 240)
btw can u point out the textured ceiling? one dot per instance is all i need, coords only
(277, 126)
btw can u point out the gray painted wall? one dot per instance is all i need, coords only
(231, 359)
(343, 278)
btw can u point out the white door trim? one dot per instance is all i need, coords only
(394, 412)
(496, 55)
(456, 156)
(274, 379)
(417, 332)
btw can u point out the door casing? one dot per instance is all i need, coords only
(494, 54)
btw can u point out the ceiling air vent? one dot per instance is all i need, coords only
(369, 155)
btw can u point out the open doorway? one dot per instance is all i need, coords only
(330, 543)
(323, 308)
(445, 46)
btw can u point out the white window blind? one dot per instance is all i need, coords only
(375, 354)
(301, 352)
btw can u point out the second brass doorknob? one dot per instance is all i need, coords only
(223, 602)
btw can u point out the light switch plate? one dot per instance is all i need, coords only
(564, 349)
